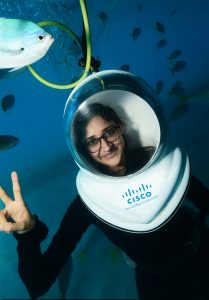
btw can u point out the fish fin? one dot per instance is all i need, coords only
(10, 72)
(180, 110)
(11, 51)
(15, 69)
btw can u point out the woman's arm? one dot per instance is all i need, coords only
(39, 271)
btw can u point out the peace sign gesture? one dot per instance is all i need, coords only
(15, 217)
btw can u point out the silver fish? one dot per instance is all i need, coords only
(22, 43)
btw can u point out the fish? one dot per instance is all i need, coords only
(7, 102)
(159, 87)
(125, 67)
(180, 110)
(173, 12)
(177, 90)
(7, 142)
(162, 43)
(178, 66)
(140, 7)
(174, 55)
(160, 27)
(22, 43)
(136, 32)
(102, 15)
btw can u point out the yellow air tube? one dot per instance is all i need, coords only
(73, 35)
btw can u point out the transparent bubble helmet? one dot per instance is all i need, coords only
(132, 99)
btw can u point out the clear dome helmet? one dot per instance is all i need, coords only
(147, 197)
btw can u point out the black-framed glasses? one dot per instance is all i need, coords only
(110, 135)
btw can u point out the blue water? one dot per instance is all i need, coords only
(45, 167)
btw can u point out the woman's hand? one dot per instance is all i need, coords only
(15, 217)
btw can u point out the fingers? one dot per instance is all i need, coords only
(4, 197)
(3, 221)
(16, 190)
(9, 227)
(20, 227)
(16, 187)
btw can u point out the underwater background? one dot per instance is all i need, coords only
(164, 42)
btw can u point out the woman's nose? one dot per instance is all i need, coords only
(105, 146)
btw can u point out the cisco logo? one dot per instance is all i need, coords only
(135, 195)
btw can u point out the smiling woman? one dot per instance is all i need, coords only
(100, 137)
(118, 101)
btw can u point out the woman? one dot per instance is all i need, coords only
(171, 262)
(100, 138)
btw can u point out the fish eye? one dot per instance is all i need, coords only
(22, 49)
(40, 37)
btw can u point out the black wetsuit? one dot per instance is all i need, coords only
(166, 258)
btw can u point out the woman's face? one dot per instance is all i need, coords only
(109, 154)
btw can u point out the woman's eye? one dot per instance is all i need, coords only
(109, 132)
(92, 142)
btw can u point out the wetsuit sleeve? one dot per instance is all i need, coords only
(39, 270)
(198, 194)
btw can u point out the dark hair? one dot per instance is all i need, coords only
(81, 120)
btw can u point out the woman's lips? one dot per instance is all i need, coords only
(109, 155)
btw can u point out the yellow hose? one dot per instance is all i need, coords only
(73, 35)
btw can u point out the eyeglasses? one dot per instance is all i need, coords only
(110, 135)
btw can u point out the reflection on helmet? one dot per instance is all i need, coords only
(116, 112)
